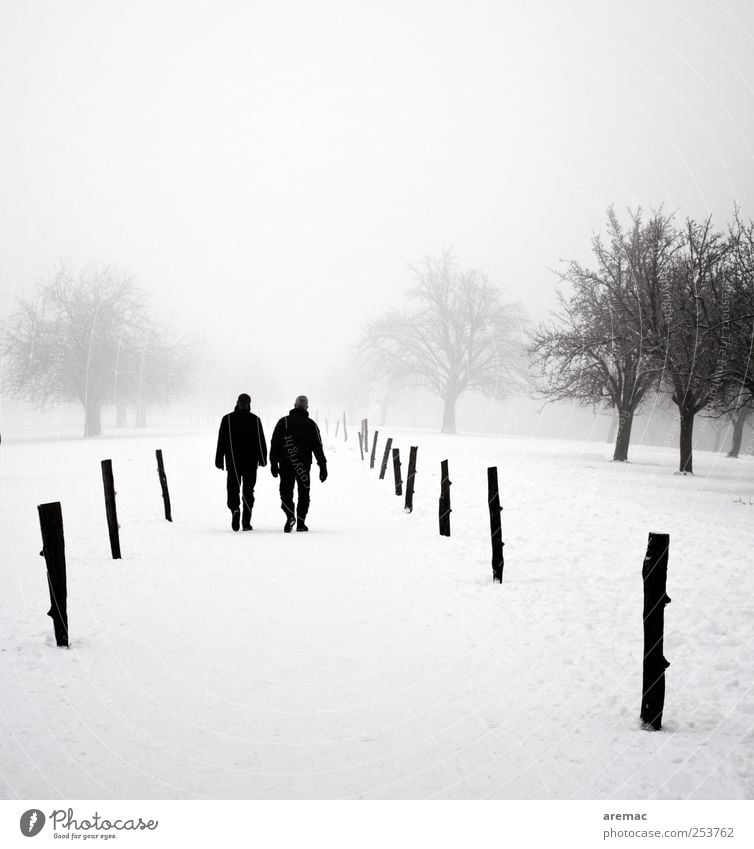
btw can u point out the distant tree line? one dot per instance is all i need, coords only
(664, 307)
(89, 337)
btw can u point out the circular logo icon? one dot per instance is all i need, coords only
(32, 822)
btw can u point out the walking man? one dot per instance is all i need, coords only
(241, 447)
(295, 440)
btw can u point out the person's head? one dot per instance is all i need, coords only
(244, 402)
(301, 403)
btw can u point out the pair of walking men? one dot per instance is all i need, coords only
(241, 448)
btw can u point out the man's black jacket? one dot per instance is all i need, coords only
(240, 443)
(295, 439)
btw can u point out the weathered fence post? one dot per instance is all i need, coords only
(445, 509)
(409, 505)
(397, 471)
(112, 513)
(163, 485)
(374, 449)
(496, 531)
(383, 467)
(337, 427)
(654, 574)
(53, 551)
(361, 444)
(366, 435)
(345, 429)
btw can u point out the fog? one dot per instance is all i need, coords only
(267, 170)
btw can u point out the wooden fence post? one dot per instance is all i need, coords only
(654, 574)
(163, 484)
(374, 449)
(409, 505)
(337, 427)
(445, 508)
(366, 435)
(361, 444)
(496, 531)
(112, 513)
(53, 551)
(383, 467)
(397, 471)
(345, 429)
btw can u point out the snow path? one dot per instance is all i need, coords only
(372, 658)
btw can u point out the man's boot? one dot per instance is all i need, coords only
(300, 525)
(235, 520)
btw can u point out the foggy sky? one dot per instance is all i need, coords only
(267, 170)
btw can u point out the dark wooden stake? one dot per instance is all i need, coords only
(445, 509)
(383, 467)
(654, 573)
(337, 427)
(409, 505)
(496, 530)
(397, 471)
(112, 513)
(361, 444)
(366, 435)
(345, 428)
(374, 449)
(53, 551)
(163, 484)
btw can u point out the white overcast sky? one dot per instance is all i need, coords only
(269, 168)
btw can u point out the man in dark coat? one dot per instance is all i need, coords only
(241, 447)
(295, 441)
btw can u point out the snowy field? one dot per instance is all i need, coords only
(373, 658)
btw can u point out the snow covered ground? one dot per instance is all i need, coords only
(373, 658)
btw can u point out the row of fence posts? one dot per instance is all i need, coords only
(444, 506)
(53, 542)
(654, 569)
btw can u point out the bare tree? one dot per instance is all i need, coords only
(88, 337)
(595, 350)
(153, 368)
(460, 336)
(694, 330)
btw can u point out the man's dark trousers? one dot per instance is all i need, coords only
(290, 476)
(242, 480)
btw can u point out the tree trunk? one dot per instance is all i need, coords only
(383, 405)
(720, 431)
(623, 437)
(449, 414)
(121, 413)
(739, 421)
(92, 419)
(687, 433)
(613, 429)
